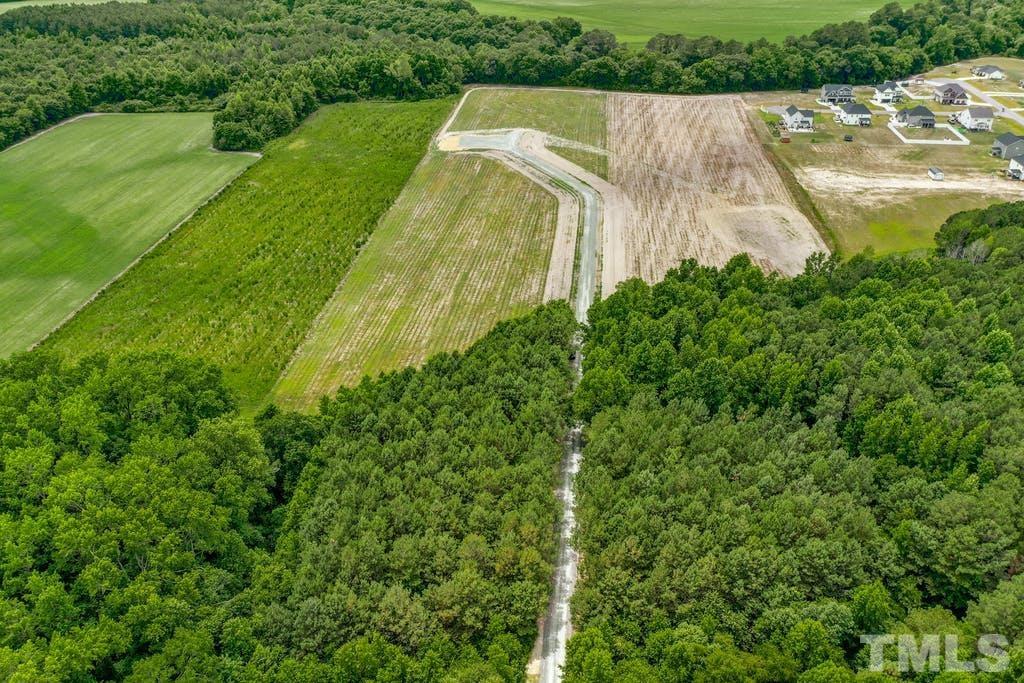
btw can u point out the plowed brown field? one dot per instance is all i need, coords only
(700, 186)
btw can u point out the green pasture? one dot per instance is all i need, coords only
(8, 6)
(241, 282)
(81, 202)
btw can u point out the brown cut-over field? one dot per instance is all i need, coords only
(700, 185)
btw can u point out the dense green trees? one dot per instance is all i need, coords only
(128, 502)
(775, 466)
(425, 518)
(266, 64)
(404, 533)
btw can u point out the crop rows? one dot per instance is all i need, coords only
(700, 186)
(467, 244)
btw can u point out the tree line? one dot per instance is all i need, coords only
(264, 65)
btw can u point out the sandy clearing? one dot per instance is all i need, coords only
(699, 185)
(869, 189)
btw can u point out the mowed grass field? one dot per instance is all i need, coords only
(574, 115)
(467, 244)
(79, 203)
(241, 282)
(634, 22)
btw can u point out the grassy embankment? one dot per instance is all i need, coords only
(241, 282)
(81, 202)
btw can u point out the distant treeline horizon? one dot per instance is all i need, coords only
(265, 65)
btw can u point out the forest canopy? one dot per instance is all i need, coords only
(403, 534)
(777, 466)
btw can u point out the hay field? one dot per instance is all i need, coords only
(8, 6)
(468, 243)
(575, 115)
(635, 22)
(81, 202)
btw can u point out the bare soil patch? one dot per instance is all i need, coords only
(699, 185)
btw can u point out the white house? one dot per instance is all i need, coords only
(854, 114)
(993, 73)
(977, 118)
(888, 93)
(1016, 169)
(798, 119)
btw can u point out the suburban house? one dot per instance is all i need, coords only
(1016, 169)
(798, 119)
(990, 72)
(951, 93)
(834, 93)
(854, 114)
(1008, 146)
(918, 117)
(888, 93)
(977, 118)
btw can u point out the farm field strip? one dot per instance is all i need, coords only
(241, 282)
(468, 243)
(84, 200)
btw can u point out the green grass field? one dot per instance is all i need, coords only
(635, 22)
(466, 245)
(8, 6)
(243, 280)
(79, 203)
(577, 116)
